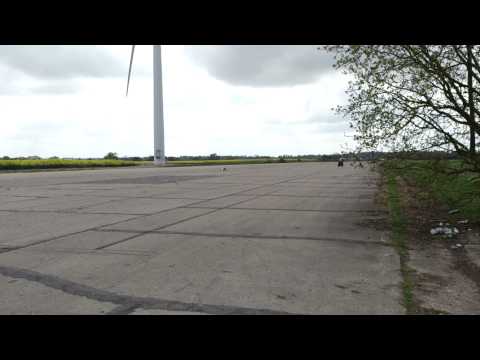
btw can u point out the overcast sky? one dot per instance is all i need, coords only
(69, 101)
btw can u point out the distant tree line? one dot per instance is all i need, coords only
(362, 156)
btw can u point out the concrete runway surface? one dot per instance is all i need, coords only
(291, 238)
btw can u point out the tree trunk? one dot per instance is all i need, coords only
(470, 100)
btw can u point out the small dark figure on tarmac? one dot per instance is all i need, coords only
(340, 162)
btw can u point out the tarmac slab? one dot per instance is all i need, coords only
(58, 203)
(333, 225)
(137, 206)
(331, 203)
(4, 199)
(473, 253)
(267, 273)
(86, 240)
(156, 221)
(291, 238)
(164, 312)
(310, 191)
(18, 229)
(23, 297)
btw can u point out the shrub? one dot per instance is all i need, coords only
(111, 156)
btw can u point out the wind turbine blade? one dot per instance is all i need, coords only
(130, 68)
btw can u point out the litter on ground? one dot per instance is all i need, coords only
(444, 230)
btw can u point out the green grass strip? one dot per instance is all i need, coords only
(399, 236)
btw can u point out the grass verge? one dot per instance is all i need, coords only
(417, 193)
(460, 191)
(399, 238)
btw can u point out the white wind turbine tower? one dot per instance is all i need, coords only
(159, 136)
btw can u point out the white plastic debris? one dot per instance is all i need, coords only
(463, 222)
(444, 230)
(454, 211)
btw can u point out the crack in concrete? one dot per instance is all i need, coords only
(274, 237)
(138, 216)
(333, 196)
(200, 215)
(7, 249)
(123, 310)
(375, 212)
(149, 180)
(73, 212)
(128, 303)
(171, 224)
(149, 231)
(76, 251)
(240, 236)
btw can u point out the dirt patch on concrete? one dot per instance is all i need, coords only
(381, 220)
(378, 223)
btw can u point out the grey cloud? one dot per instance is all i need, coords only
(329, 128)
(328, 123)
(316, 119)
(55, 88)
(30, 131)
(11, 89)
(325, 118)
(36, 138)
(262, 65)
(62, 62)
(318, 123)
